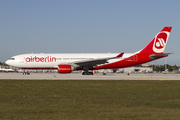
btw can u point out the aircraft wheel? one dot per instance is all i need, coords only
(84, 73)
(89, 73)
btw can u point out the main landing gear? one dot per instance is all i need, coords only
(87, 73)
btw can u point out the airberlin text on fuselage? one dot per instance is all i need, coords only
(40, 59)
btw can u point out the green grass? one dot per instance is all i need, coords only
(89, 100)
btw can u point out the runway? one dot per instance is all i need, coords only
(78, 76)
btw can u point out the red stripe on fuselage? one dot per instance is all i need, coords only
(131, 61)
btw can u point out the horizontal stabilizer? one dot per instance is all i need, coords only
(153, 56)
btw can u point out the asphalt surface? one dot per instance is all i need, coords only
(79, 76)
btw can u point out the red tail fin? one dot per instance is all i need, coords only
(158, 43)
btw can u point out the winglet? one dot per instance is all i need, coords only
(120, 55)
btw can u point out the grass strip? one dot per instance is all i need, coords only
(89, 99)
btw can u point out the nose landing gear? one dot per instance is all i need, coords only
(26, 72)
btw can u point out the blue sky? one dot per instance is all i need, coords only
(86, 26)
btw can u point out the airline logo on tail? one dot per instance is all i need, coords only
(160, 42)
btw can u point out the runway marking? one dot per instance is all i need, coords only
(151, 78)
(163, 78)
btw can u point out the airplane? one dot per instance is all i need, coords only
(68, 62)
(7, 70)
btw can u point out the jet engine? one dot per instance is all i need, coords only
(65, 68)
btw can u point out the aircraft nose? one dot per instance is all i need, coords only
(7, 62)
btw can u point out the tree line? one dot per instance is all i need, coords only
(2, 63)
(158, 68)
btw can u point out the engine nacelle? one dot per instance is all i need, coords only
(65, 68)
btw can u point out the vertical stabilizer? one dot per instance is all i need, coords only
(158, 43)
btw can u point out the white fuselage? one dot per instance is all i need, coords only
(53, 60)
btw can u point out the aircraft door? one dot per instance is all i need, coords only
(135, 58)
(22, 59)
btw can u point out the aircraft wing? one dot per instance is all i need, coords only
(95, 62)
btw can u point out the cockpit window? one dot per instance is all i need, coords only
(12, 58)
